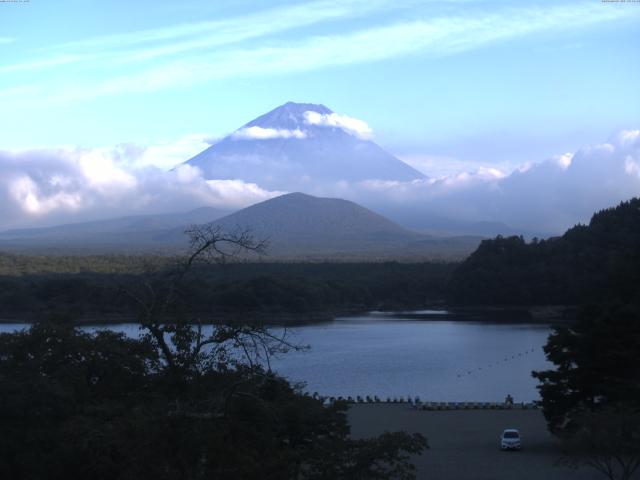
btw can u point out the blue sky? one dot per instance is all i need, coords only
(458, 82)
(522, 112)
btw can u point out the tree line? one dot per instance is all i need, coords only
(241, 288)
(588, 263)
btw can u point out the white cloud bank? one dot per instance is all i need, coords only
(48, 186)
(438, 166)
(549, 196)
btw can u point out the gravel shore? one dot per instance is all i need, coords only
(464, 443)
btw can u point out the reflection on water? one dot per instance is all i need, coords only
(387, 355)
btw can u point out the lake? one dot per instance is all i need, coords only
(392, 355)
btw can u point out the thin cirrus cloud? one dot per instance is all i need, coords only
(155, 43)
(238, 28)
(436, 36)
(49, 62)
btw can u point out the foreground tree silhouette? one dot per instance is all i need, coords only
(608, 441)
(165, 316)
(184, 401)
(592, 399)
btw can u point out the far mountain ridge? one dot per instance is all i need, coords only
(97, 230)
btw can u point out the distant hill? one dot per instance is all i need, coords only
(595, 262)
(310, 223)
(124, 233)
(302, 226)
(296, 146)
(297, 227)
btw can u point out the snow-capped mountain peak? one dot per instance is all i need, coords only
(300, 146)
(289, 116)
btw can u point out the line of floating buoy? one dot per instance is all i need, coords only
(505, 359)
(417, 404)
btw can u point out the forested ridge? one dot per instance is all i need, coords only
(589, 263)
(91, 287)
(591, 398)
(18, 265)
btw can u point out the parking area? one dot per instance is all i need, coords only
(465, 443)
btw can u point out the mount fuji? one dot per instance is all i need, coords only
(297, 146)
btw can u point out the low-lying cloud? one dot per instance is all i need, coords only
(259, 133)
(548, 196)
(48, 186)
(353, 126)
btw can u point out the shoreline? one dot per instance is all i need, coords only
(513, 313)
(534, 314)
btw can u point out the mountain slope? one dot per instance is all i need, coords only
(297, 217)
(290, 148)
(299, 225)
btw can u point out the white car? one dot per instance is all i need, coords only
(510, 440)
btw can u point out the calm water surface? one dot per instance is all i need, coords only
(388, 355)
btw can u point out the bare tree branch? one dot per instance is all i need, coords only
(185, 344)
